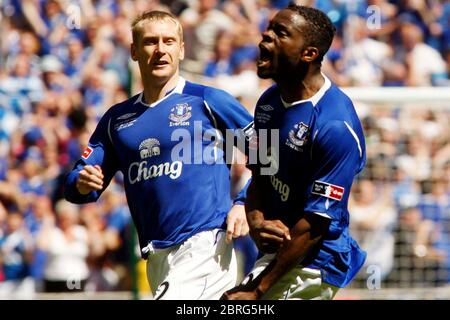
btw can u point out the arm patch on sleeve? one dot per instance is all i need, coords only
(87, 152)
(328, 190)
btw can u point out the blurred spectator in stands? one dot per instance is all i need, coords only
(387, 11)
(435, 209)
(54, 78)
(122, 42)
(373, 219)
(31, 182)
(40, 215)
(416, 159)
(116, 221)
(445, 81)
(78, 124)
(21, 87)
(201, 23)
(415, 52)
(103, 239)
(221, 61)
(241, 11)
(242, 82)
(408, 266)
(365, 60)
(15, 257)
(66, 247)
(74, 59)
(406, 191)
(25, 43)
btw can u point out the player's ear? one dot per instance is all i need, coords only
(182, 51)
(310, 54)
(133, 51)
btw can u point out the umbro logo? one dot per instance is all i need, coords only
(126, 116)
(266, 107)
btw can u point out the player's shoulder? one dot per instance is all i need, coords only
(194, 89)
(335, 105)
(336, 113)
(269, 94)
(269, 100)
(201, 90)
(209, 94)
(123, 108)
(336, 96)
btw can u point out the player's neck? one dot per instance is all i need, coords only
(301, 88)
(154, 91)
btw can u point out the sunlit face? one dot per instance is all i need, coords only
(158, 50)
(282, 48)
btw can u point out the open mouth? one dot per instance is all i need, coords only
(265, 56)
(160, 63)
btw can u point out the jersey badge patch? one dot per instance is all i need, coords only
(298, 136)
(328, 190)
(180, 114)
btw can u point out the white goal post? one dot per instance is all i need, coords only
(428, 95)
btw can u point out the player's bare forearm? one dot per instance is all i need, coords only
(306, 234)
(237, 225)
(267, 234)
(256, 195)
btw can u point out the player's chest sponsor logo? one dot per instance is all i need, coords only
(180, 114)
(141, 170)
(125, 121)
(298, 136)
(264, 117)
(328, 190)
(149, 148)
(280, 187)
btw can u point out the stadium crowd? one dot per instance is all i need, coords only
(63, 63)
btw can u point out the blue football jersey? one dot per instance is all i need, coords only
(320, 150)
(176, 179)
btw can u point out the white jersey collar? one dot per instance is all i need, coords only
(315, 98)
(178, 89)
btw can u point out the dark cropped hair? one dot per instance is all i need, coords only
(319, 31)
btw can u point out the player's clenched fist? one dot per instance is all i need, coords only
(90, 179)
(269, 235)
(237, 225)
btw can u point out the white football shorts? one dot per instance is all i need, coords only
(201, 268)
(297, 284)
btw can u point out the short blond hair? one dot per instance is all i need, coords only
(136, 25)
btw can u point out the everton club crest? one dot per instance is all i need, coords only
(180, 114)
(298, 136)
